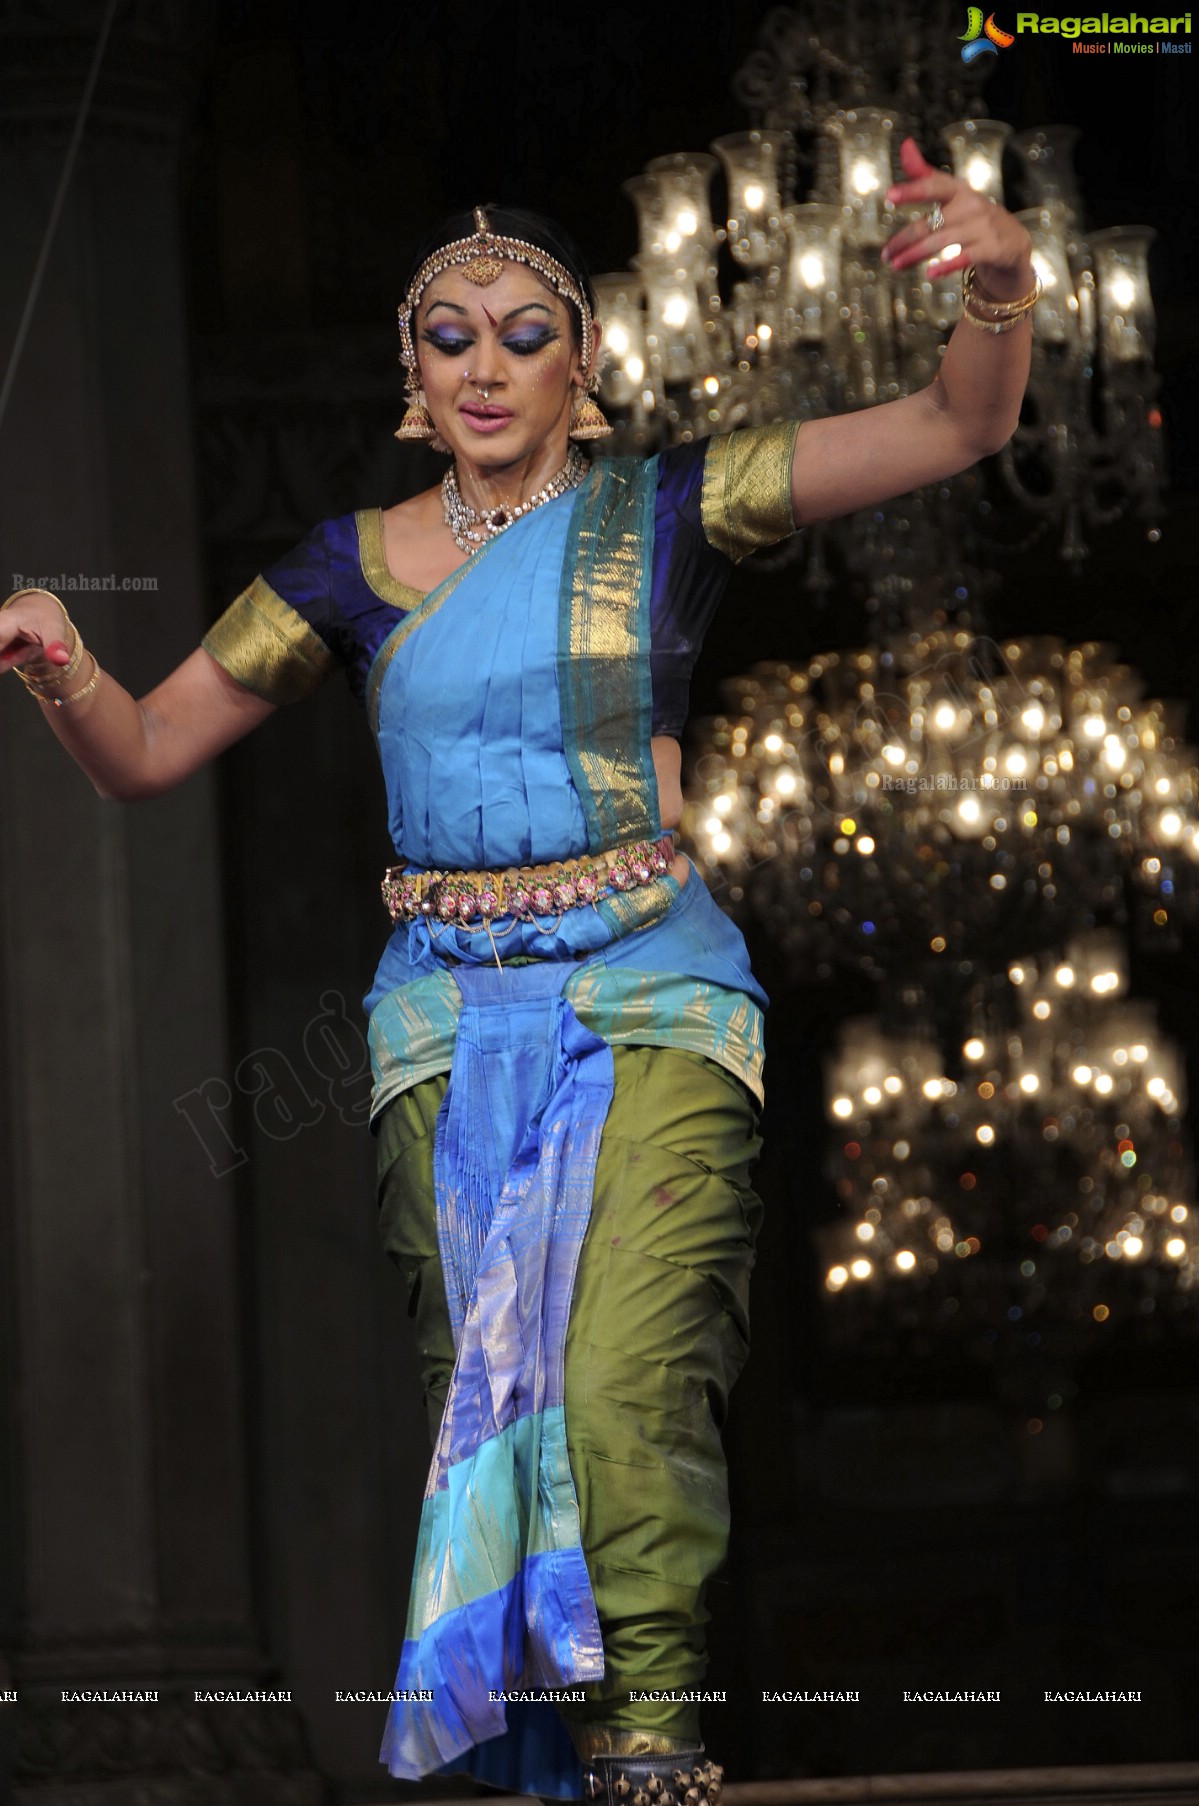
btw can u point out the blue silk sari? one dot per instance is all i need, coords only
(513, 708)
(532, 747)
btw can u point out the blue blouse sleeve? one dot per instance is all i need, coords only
(283, 636)
(718, 500)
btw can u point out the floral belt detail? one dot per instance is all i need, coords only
(523, 891)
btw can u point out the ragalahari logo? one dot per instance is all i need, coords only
(983, 39)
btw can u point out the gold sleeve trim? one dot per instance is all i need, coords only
(266, 645)
(373, 560)
(746, 499)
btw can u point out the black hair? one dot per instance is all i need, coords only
(513, 222)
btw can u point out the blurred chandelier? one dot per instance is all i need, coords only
(786, 310)
(1052, 1148)
(943, 797)
(935, 802)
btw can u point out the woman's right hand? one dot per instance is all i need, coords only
(34, 631)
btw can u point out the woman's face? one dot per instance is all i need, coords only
(514, 341)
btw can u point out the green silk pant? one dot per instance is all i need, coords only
(658, 1333)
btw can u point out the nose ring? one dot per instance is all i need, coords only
(483, 394)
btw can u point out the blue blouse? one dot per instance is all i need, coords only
(338, 584)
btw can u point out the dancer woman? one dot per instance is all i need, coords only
(565, 1030)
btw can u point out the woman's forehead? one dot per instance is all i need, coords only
(516, 286)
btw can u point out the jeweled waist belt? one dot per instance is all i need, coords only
(524, 891)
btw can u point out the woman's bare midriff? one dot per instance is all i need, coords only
(668, 765)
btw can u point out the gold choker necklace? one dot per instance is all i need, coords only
(472, 529)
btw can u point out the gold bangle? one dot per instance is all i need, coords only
(39, 676)
(63, 673)
(62, 702)
(1000, 310)
(991, 325)
(31, 589)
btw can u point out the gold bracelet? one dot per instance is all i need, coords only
(33, 590)
(991, 325)
(34, 681)
(62, 702)
(1000, 310)
(39, 677)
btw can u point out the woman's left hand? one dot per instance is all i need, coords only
(987, 235)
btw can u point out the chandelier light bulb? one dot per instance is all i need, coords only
(1044, 270)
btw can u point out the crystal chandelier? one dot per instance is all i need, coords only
(944, 796)
(1033, 1176)
(785, 309)
(936, 802)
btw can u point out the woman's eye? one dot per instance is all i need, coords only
(448, 346)
(526, 347)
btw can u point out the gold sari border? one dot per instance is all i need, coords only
(269, 648)
(746, 501)
(373, 560)
(603, 630)
(425, 608)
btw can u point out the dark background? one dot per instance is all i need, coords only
(895, 1526)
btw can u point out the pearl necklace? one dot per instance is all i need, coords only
(472, 529)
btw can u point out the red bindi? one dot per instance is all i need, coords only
(490, 317)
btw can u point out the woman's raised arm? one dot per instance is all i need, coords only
(972, 405)
(129, 748)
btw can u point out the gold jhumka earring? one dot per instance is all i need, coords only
(587, 418)
(417, 423)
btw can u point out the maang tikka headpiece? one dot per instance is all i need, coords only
(481, 258)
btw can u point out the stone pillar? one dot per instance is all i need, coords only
(125, 1529)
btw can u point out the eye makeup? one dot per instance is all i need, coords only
(450, 344)
(530, 341)
(526, 342)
